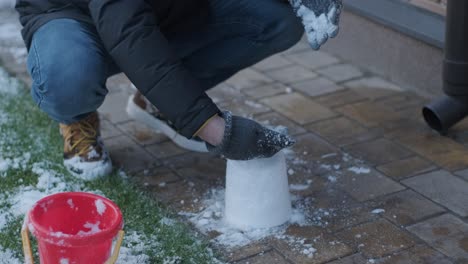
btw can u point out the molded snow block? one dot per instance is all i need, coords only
(257, 193)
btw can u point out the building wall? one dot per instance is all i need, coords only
(400, 58)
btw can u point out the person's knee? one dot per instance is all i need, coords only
(69, 90)
(284, 29)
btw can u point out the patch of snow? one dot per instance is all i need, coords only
(86, 170)
(299, 187)
(172, 260)
(167, 221)
(359, 170)
(332, 178)
(100, 206)
(134, 248)
(8, 85)
(70, 203)
(378, 211)
(329, 155)
(7, 255)
(93, 229)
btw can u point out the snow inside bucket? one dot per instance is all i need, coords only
(75, 227)
(257, 193)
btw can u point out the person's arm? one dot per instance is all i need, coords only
(129, 31)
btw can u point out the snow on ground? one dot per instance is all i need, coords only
(7, 257)
(210, 217)
(17, 202)
(9, 86)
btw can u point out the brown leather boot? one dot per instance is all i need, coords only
(83, 150)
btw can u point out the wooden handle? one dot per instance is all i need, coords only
(28, 256)
(115, 253)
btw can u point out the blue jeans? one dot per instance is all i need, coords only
(69, 65)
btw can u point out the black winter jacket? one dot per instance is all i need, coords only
(133, 33)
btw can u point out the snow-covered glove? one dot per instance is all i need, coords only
(320, 19)
(245, 139)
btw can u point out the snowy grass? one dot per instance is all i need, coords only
(31, 167)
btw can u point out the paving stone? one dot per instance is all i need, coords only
(309, 148)
(274, 119)
(378, 151)
(353, 259)
(248, 78)
(341, 72)
(132, 159)
(420, 254)
(341, 131)
(223, 92)
(407, 207)
(404, 100)
(331, 209)
(439, 228)
(251, 250)
(142, 133)
(113, 108)
(108, 130)
(156, 177)
(119, 142)
(180, 195)
(463, 174)
(265, 90)
(373, 87)
(376, 239)
(198, 166)
(404, 168)
(165, 150)
(245, 107)
(298, 108)
(328, 248)
(340, 98)
(455, 247)
(301, 46)
(273, 62)
(291, 74)
(269, 257)
(364, 186)
(369, 114)
(312, 60)
(443, 188)
(317, 87)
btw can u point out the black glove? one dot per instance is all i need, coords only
(245, 139)
(320, 19)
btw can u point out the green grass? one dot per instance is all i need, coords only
(28, 130)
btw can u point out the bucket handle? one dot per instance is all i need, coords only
(28, 256)
(118, 244)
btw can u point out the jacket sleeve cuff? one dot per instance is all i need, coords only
(192, 127)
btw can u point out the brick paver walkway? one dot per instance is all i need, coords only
(361, 144)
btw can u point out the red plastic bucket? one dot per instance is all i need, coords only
(75, 228)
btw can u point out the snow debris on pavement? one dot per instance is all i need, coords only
(211, 218)
(378, 211)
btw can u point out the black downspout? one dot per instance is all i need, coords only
(445, 112)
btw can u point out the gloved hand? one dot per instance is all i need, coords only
(320, 19)
(245, 139)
